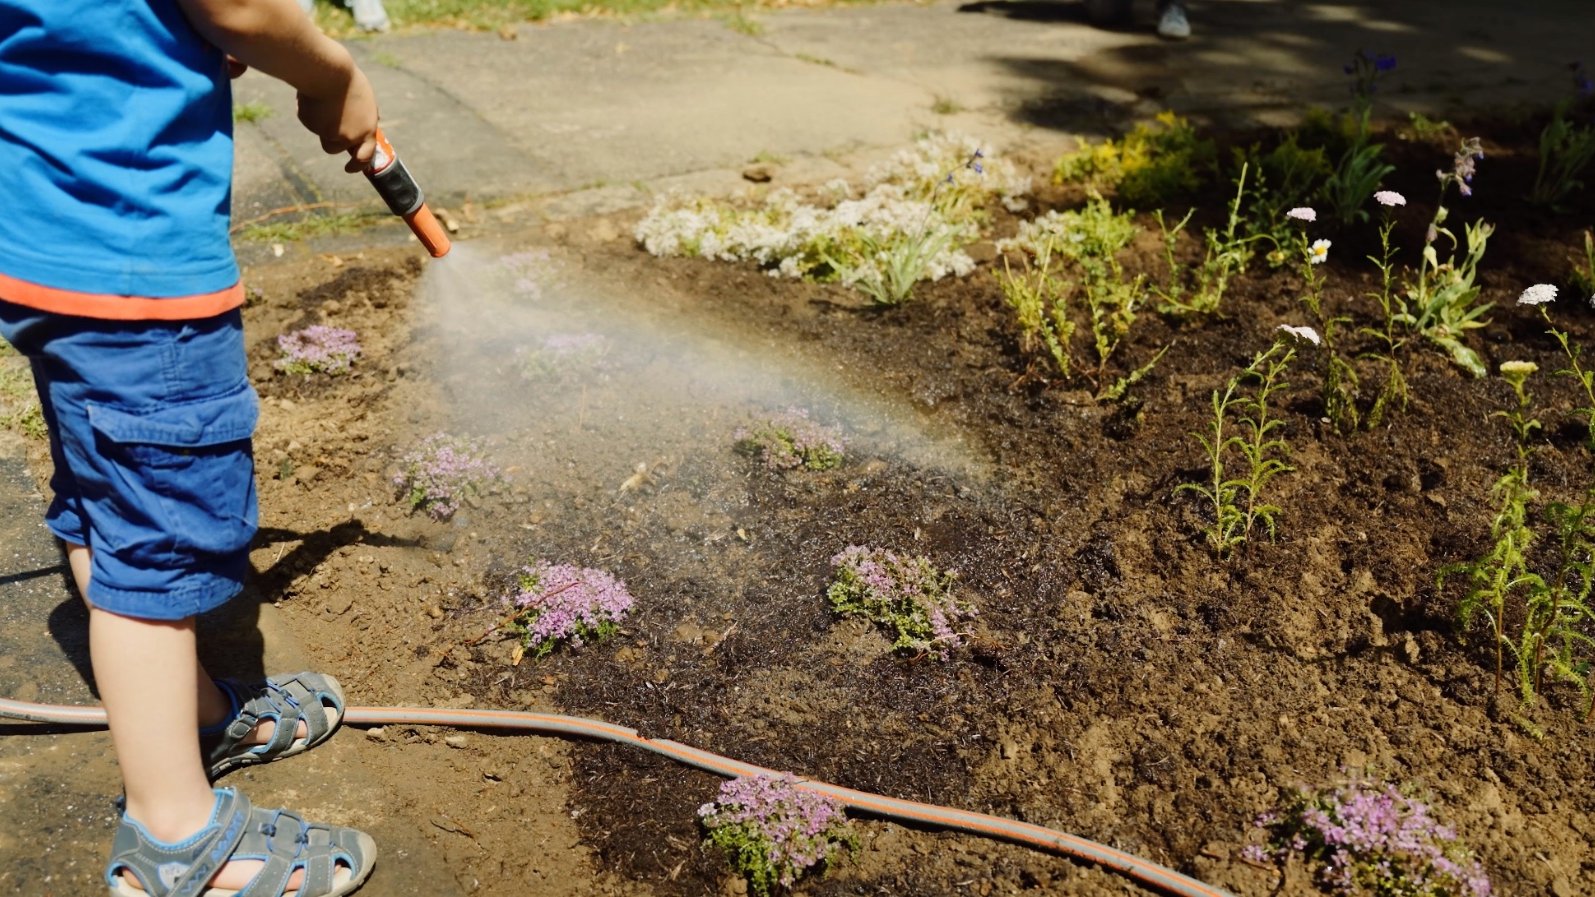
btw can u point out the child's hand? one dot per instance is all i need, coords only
(345, 120)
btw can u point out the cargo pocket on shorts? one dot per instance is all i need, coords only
(185, 473)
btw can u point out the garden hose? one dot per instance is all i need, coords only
(404, 198)
(1152, 875)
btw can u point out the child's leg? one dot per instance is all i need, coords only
(146, 672)
(211, 705)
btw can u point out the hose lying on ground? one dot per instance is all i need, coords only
(1150, 874)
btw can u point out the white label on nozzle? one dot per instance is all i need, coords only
(380, 159)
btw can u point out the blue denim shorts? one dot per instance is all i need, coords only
(150, 426)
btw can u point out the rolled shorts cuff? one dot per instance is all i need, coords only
(67, 525)
(199, 591)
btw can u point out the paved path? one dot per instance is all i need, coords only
(583, 115)
(606, 111)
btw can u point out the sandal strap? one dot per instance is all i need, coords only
(311, 698)
(182, 869)
(283, 841)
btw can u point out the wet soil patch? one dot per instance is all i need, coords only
(1124, 683)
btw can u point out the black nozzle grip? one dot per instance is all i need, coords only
(397, 188)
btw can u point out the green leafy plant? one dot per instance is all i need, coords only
(1237, 502)
(1039, 299)
(1227, 255)
(1393, 393)
(1280, 178)
(1087, 242)
(774, 830)
(1354, 180)
(1495, 577)
(1566, 147)
(1442, 304)
(1583, 277)
(1155, 163)
(1359, 171)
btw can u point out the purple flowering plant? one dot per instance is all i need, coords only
(1442, 303)
(1366, 838)
(556, 604)
(441, 473)
(559, 355)
(791, 439)
(905, 592)
(774, 831)
(317, 349)
(532, 270)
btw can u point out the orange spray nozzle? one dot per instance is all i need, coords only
(403, 195)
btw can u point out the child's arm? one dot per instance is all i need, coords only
(336, 101)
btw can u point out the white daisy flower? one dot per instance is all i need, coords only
(1319, 252)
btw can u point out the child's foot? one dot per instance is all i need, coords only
(271, 853)
(281, 717)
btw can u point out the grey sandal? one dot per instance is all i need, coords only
(336, 860)
(311, 698)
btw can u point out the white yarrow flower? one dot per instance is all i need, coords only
(1539, 294)
(1319, 252)
(1302, 213)
(1390, 198)
(1303, 333)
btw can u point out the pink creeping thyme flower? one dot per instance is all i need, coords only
(790, 439)
(557, 603)
(329, 350)
(1302, 213)
(563, 354)
(1539, 294)
(1364, 838)
(1390, 198)
(774, 830)
(903, 591)
(441, 473)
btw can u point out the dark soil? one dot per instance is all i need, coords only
(1125, 683)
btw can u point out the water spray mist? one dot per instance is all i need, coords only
(403, 196)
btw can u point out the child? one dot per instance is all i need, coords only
(118, 281)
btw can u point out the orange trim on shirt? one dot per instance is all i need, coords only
(120, 308)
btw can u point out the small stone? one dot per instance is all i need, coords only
(1409, 647)
(435, 612)
(455, 741)
(1009, 749)
(758, 174)
(338, 605)
(377, 733)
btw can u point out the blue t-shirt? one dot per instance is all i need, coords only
(116, 147)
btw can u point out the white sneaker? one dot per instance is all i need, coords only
(309, 6)
(1173, 24)
(368, 14)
